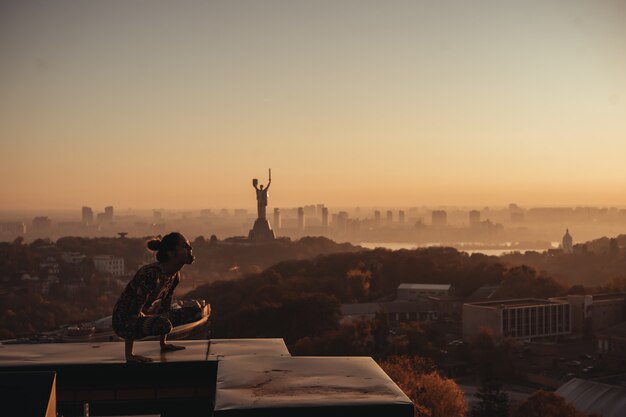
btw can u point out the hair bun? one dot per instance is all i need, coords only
(154, 245)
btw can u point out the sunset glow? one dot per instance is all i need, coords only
(150, 104)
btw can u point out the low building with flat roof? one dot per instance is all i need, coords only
(527, 318)
(359, 311)
(401, 311)
(411, 292)
(592, 313)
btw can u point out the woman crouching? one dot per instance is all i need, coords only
(142, 309)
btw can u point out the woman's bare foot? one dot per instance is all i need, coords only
(168, 347)
(137, 359)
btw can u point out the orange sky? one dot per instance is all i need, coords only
(149, 104)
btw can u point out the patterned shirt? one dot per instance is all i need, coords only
(148, 293)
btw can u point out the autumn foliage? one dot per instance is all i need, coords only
(432, 394)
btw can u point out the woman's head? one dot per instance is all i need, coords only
(172, 246)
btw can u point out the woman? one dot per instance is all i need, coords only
(142, 308)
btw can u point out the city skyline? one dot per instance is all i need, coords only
(150, 104)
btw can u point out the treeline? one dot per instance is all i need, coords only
(598, 265)
(80, 293)
(232, 258)
(296, 299)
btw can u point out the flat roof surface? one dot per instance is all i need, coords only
(96, 353)
(221, 348)
(113, 352)
(348, 386)
(611, 296)
(251, 377)
(440, 287)
(524, 302)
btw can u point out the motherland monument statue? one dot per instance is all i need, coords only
(261, 231)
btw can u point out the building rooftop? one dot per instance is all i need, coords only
(609, 296)
(486, 292)
(411, 306)
(594, 397)
(522, 302)
(233, 377)
(427, 287)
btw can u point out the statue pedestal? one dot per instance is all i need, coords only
(261, 231)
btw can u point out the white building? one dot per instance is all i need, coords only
(568, 246)
(110, 264)
(73, 257)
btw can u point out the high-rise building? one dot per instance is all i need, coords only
(474, 218)
(107, 216)
(42, 224)
(324, 216)
(439, 218)
(301, 221)
(277, 219)
(87, 214)
(389, 217)
(376, 217)
(340, 223)
(310, 210)
(401, 216)
(319, 210)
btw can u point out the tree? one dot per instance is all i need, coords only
(492, 402)
(543, 404)
(432, 394)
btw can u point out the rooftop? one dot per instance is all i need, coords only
(431, 287)
(609, 296)
(234, 377)
(522, 302)
(594, 397)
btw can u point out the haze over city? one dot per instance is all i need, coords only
(154, 104)
(313, 207)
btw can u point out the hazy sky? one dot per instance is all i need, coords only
(146, 103)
